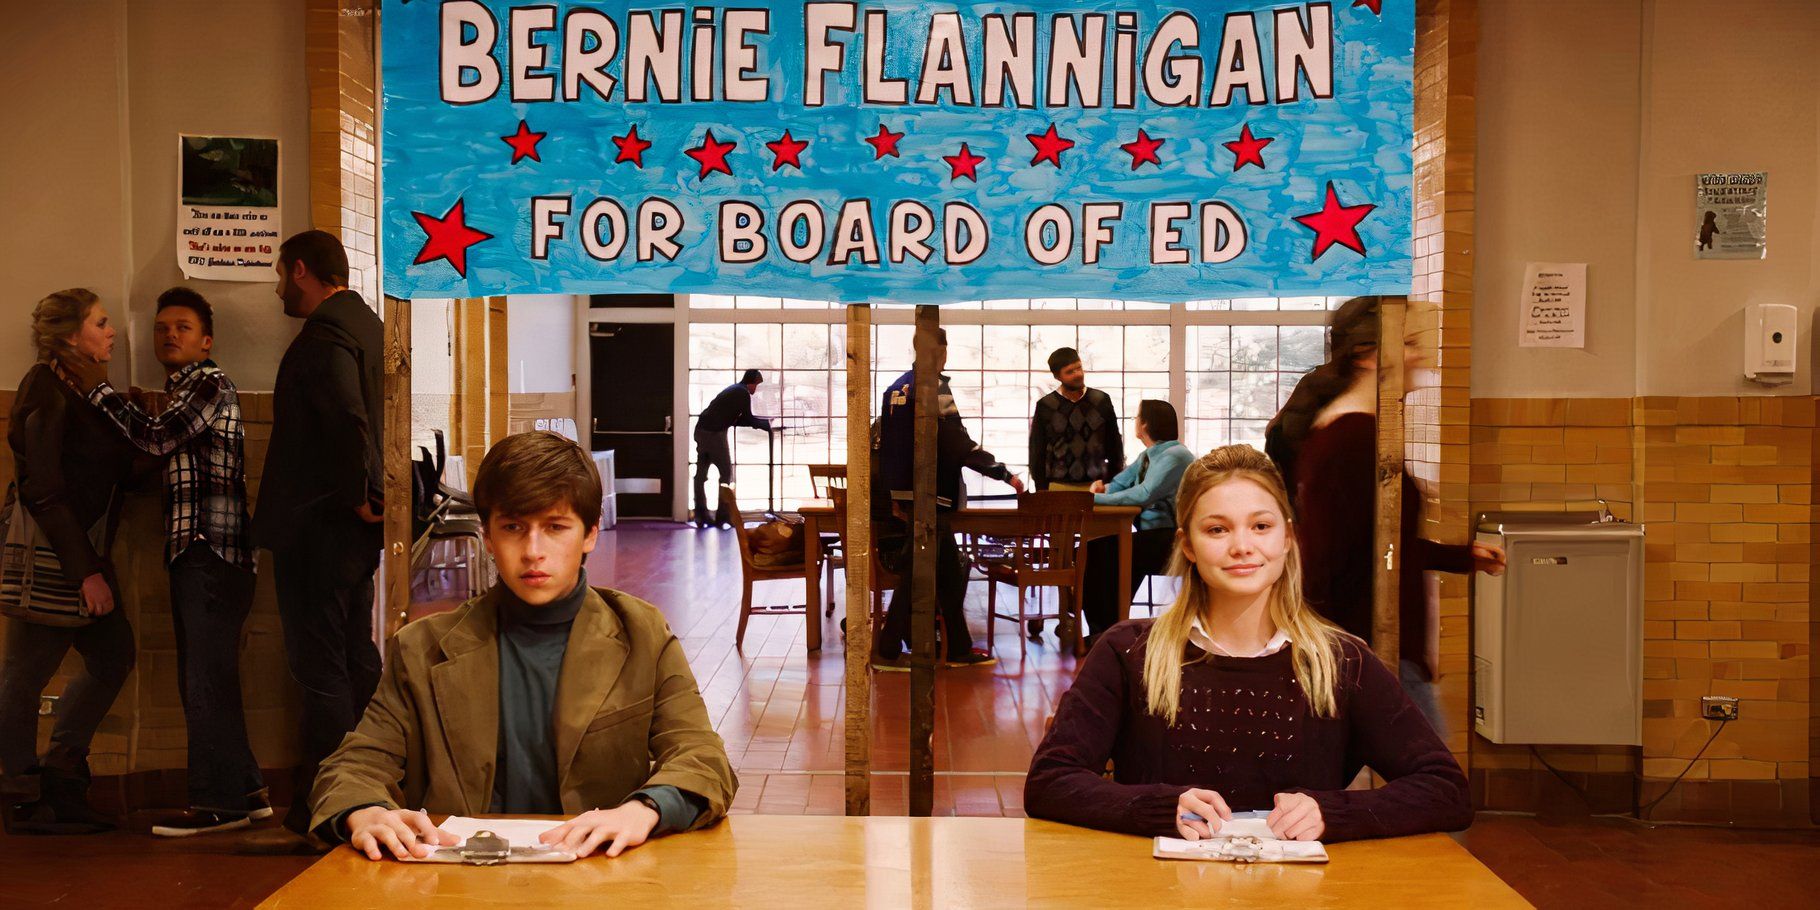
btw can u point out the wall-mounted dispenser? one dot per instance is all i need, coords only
(1769, 343)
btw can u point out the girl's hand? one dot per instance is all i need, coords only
(1487, 558)
(1296, 817)
(1210, 808)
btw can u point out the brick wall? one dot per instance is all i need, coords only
(1724, 489)
(1439, 316)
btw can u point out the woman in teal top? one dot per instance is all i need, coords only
(1149, 481)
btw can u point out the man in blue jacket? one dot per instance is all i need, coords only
(897, 457)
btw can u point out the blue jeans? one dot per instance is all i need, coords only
(1425, 693)
(210, 598)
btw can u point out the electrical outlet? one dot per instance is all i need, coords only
(1718, 707)
(47, 705)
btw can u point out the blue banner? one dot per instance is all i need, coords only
(889, 151)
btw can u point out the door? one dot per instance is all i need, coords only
(633, 368)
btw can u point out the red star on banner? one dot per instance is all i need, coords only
(1376, 6)
(524, 143)
(788, 151)
(448, 238)
(1248, 149)
(1143, 150)
(712, 156)
(965, 164)
(1336, 223)
(631, 148)
(885, 143)
(1049, 146)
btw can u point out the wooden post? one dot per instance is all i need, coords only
(1385, 607)
(922, 569)
(857, 540)
(396, 454)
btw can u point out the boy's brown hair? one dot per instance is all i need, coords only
(526, 473)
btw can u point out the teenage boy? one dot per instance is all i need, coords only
(209, 558)
(543, 696)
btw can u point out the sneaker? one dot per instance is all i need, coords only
(1035, 628)
(974, 658)
(199, 821)
(259, 805)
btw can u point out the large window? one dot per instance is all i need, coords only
(1227, 365)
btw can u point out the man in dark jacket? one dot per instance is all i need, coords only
(954, 449)
(731, 408)
(321, 497)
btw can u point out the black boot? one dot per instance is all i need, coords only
(61, 808)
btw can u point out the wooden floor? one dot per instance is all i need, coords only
(782, 710)
(781, 714)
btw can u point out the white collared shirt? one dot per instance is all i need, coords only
(1200, 639)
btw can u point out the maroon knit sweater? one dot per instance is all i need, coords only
(1244, 731)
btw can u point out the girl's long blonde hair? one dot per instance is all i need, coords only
(1312, 638)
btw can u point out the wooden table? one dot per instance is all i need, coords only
(996, 517)
(776, 861)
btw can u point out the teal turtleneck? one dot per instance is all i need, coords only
(532, 641)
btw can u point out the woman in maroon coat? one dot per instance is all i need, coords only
(1238, 697)
(1325, 443)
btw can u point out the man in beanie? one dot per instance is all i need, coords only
(731, 408)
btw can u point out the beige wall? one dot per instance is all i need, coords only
(1731, 88)
(92, 198)
(1593, 120)
(63, 172)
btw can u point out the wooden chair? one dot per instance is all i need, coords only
(1045, 552)
(826, 477)
(825, 481)
(752, 572)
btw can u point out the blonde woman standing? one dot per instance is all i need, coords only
(1239, 697)
(70, 463)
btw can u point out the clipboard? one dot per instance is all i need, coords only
(496, 841)
(1244, 838)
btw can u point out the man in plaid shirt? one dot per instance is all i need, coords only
(207, 551)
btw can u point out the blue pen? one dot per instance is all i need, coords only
(1255, 813)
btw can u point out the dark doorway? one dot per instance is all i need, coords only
(633, 369)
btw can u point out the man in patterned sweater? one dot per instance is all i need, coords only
(206, 549)
(1074, 435)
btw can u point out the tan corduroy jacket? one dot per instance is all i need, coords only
(628, 714)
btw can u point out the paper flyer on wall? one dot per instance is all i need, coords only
(1733, 215)
(227, 209)
(1553, 305)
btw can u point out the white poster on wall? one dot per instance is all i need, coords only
(227, 208)
(1733, 215)
(1553, 306)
